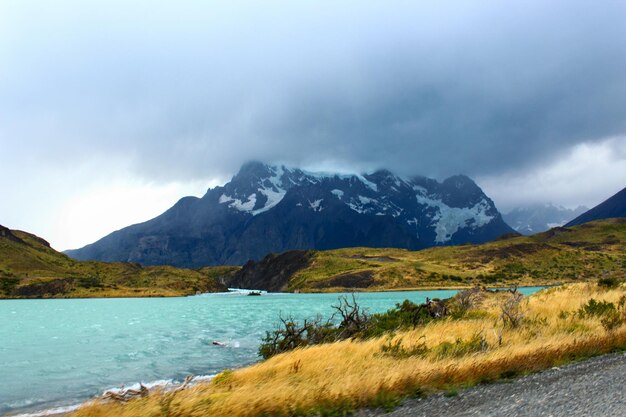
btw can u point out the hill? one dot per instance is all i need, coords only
(585, 252)
(271, 209)
(613, 207)
(30, 268)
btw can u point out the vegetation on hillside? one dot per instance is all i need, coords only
(30, 268)
(560, 255)
(485, 336)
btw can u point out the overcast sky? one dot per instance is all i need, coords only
(110, 111)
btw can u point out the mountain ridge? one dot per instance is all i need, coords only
(612, 207)
(272, 208)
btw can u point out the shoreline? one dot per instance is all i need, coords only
(159, 385)
(341, 291)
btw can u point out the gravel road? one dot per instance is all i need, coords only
(595, 387)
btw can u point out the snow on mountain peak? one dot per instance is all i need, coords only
(448, 220)
(258, 188)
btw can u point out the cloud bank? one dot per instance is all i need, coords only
(186, 91)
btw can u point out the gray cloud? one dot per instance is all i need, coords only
(190, 90)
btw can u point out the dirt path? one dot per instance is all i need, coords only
(595, 387)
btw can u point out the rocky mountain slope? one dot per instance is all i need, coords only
(581, 253)
(270, 209)
(30, 268)
(613, 207)
(540, 217)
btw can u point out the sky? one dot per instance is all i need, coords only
(110, 111)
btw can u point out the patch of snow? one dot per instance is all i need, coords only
(338, 193)
(551, 225)
(415, 223)
(273, 197)
(276, 179)
(365, 200)
(448, 220)
(247, 206)
(356, 207)
(225, 199)
(239, 204)
(367, 182)
(363, 204)
(420, 189)
(315, 205)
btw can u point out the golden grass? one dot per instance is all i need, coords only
(352, 374)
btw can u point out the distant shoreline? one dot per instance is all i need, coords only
(342, 291)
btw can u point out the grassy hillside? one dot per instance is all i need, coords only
(29, 268)
(588, 251)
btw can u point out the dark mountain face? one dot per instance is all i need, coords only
(541, 217)
(266, 209)
(611, 208)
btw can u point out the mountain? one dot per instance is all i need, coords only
(540, 217)
(30, 268)
(611, 208)
(269, 209)
(581, 253)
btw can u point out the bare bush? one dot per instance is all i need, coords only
(354, 319)
(467, 299)
(511, 312)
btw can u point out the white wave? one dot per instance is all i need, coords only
(160, 383)
(52, 411)
(166, 384)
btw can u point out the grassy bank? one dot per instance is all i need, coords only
(495, 336)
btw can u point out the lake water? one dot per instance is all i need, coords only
(60, 352)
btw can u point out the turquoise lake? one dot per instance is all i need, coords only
(57, 353)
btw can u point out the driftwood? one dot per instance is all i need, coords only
(128, 394)
(125, 395)
(186, 382)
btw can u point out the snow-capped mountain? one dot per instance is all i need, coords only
(267, 208)
(540, 217)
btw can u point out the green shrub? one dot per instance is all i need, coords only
(612, 320)
(615, 318)
(385, 400)
(396, 350)
(403, 316)
(595, 308)
(8, 284)
(90, 282)
(477, 343)
(609, 282)
(224, 377)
